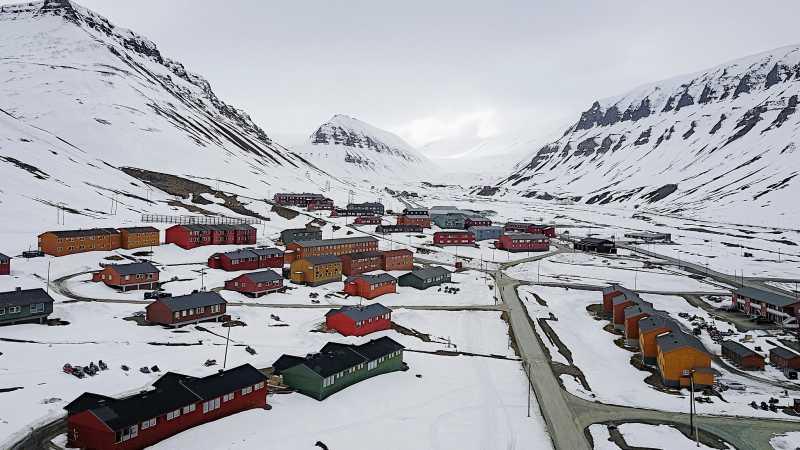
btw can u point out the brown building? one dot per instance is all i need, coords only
(316, 270)
(137, 237)
(68, 242)
(418, 220)
(633, 314)
(335, 247)
(741, 356)
(649, 329)
(784, 359)
(358, 263)
(398, 260)
(680, 354)
(126, 277)
(185, 309)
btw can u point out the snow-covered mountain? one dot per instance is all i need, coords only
(721, 141)
(90, 112)
(349, 148)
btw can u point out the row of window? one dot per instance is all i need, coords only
(34, 309)
(371, 365)
(198, 310)
(373, 319)
(243, 284)
(139, 276)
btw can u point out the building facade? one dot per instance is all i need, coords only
(425, 278)
(138, 237)
(359, 320)
(367, 208)
(401, 259)
(649, 329)
(370, 286)
(448, 238)
(247, 259)
(776, 307)
(316, 270)
(175, 403)
(334, 247)
(449, 221)
(5, 264)
(25, 305)
(595, 245)
(185, 309)
(741, 356)
(300, 234)
(68, 242)
(485, 233)
(126, 277)
(362, 262)
(294, 199)
(784, 359)
(256, 284)
(388, 229)
(680, 354)
(476, 221)
(533, 228)
(195, 235)
(523, 242)
(367, 220)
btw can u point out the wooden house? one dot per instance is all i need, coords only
(633, 314)
(415, 216)
(453, 238)
(5, 264)
(618, 305)
(679, 354)
(323, 203)
(609, 292)
(337, 366)
(388, 229)
(401, 259)
(359, 320)
(127, 277)
(316, 270)
(784, 359)
(138, 237)
(190, 236)
(425, 278)
(174, 404)
(256, 284)
(68, 242)
(595, 245)
(334, 247)
(300, 234)
(523, 242)
(649, 329)
(247, 259)
(370, 286)
(741, 356)
(25, 305)
(774, 306)
(361, 262)
(184, 309)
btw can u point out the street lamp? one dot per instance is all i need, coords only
(689, 373)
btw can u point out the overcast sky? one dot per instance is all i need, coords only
(440, 69)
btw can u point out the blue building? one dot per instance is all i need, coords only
(486, 233)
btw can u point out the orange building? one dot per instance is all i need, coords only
(649, 329)
(618, 305)
(68, 242)
(334, 247)
(137, 237)
(680, 354)
(633, 314)
(609, 292)
(370, 286)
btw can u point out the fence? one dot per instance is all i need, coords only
(200, 220)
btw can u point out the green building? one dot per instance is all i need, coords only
(338, 366)
(25, 305)
(425, 278)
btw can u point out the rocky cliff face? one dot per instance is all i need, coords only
(706, 141)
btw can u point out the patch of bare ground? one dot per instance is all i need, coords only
(424, 337)
(618, 439)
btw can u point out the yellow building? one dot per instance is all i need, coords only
(679, 354)
(316, 270)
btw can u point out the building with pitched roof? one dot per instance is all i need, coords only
(256, 284)
(189, 236)
(376, 208)
(633, 314)
(485, 233)
(359, 320)
(175, 403)
(401, 259)
(771, 305)
(247, 259)
(138, 237)
(784, 359)
(649, 329)
(399, 228)
(415, 216)
(741, 356)
(68, 242)
(370, 286)
(185, 309)
(361, 262)
(127, 277)
(300, 234)
(425, 278)
(335, 247)
(533, 228)
(595, 245)
(5, 264)
(337, 366)
(453, 238)
(449, 220)
(523, 242)
(25, 305)
(316, 270)
(681, 354)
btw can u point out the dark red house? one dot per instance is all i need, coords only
(359, 320)
(367, 220)
(476, 221)
(523, 242)
(446, 238)
(247, 259)
(361, 262)
(189, 236)
(256, 284)
(771, 305)
(176, 403)
(609, 292)
(126, 277)
(5, 264)
(185, 309)
(401, 259)
(370, 286)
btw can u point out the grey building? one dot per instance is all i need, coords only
(367, 208)
(300, 234)
(486, 233)
(25, 305)
(449, 221)
(425, 278)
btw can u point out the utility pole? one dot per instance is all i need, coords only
(48, 277)
(227, 341)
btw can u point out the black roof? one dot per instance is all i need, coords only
(4, 258)
(23, 297)
(194, 300)
(134, 268)
(738, 348)
(251, 253)
(323, 259)
(350, 240)
(678, 339)
(371, 279)
(334, 357)
(82, 233)
(139, 229)
(532, 236)
(264, 276)
(595, 241)
(768, 297)
(784, 353)
(172, 391)
(359, 313)
(427, 273)
(218, 227)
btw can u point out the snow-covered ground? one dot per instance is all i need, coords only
(646, 436)
(787, 441)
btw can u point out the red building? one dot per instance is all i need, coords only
(367, 220)
(524, 227)
(256, 284)
(609, 292)
(247, 259)
(370, 286)
(445, 238)
(176, 403)
(5, 264)
(126, 277)
(523, 242)
(618, 306)
(633, 315)
(323, 203)
(401, 259)
(185, 309)
(768, 304)
(362, 262)
(189, 236)
(359, 320)
(415, 217)
(476, 221)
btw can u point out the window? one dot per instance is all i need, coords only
(2, 311)
(227, 397)
(372, 364)
(177, 314)
(247, 390)
(128, 433)
(13, 309)
(173, 414)
(199, 310)
(37, 308)
(258, 385)
(183, 313)
(211, 405)
(189, 408)
(149, 423)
